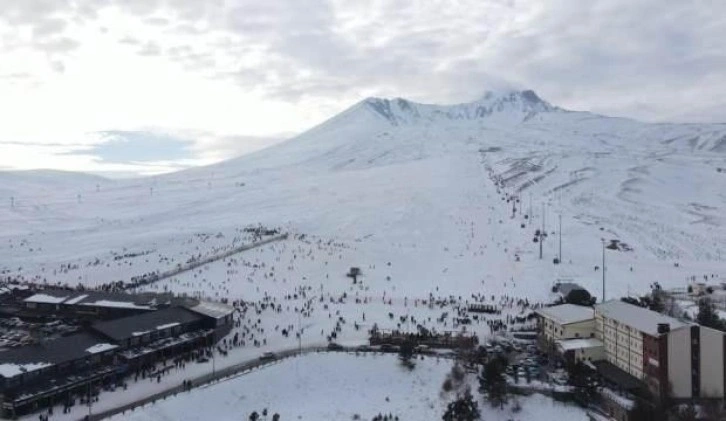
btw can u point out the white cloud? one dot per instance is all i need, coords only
(248, 70)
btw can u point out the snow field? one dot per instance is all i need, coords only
(337, 387)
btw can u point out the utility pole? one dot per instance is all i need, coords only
(89, 399)
(541, 240)
(544, 233)
(560, 230)
(529, 222)
(539, 237)
(603, 269)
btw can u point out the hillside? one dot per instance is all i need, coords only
(443, 193)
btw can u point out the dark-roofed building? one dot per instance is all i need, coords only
(158, 335)
(99, 304)
(33, 375)
(144, 328)
(217, 316)
(123, 334)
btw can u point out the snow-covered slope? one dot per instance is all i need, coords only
(441, 192)
(20, 182)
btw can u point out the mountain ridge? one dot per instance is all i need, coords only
(522, 105)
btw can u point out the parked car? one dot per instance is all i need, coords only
(268, 356)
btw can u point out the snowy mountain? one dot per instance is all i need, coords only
(450, 193)
(437, 205)
(513, 106)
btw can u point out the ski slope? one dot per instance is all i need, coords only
(421, 186)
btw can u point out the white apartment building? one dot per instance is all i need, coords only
(673, 358)
(625, 328)
(696, 362)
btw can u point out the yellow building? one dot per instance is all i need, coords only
(565, 321)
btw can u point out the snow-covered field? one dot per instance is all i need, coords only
(338, 387)
(438, 206)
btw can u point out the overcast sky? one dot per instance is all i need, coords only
(146, 86)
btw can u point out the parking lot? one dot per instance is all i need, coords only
(526, 363)
(15, 332)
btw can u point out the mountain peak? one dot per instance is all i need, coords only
(511, 106)
(526, 95)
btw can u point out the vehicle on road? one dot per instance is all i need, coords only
(267, 356)
(388, 348)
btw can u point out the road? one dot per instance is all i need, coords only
(202, 380)
(232, 371)
(198, 263)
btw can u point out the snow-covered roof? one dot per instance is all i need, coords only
(212, 309)
(117, 304)
(584, 343)
(8, 370)
(142, 301)
(76, 300)
(17, 361)
(46, 298)
(637, 317)
(95, 349)
(567, 313)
